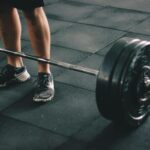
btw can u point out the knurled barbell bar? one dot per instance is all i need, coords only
(123, 81)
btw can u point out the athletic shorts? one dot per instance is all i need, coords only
(23, 4)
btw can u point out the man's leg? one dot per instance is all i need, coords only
(39, 35)
(10, 31)
(40, 40)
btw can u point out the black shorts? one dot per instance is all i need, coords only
(23, 4)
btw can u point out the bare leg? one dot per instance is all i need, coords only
(10, 31)
(39, 35)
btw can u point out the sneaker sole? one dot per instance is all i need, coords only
(43, 100)
(14, 81)
(18, 78)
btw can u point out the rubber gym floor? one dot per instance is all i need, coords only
(82, 33)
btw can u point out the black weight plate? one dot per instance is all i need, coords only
(115, 90)
(105, 75)
(134, 112)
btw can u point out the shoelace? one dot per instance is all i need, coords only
(43, 82)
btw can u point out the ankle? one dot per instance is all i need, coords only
(44, 68)
(15, 62)
(44, 74)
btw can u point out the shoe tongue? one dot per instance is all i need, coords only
(44, 74)
(19, 69)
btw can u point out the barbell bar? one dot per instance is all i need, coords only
(123, 80)
(52, 62)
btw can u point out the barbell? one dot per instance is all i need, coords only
(123, 80)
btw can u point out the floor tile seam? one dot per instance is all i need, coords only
(86, 126)
(117, 40)
(103, 27)
(91, 25)
(128, 9)
(71, 137)
(73, 49)
(99, 49)
(70, 3)
(59, 46)
(125, 33)
(108, 5)
(7, 107)
(76, 140)
(99, 26)
(89, 15)
(58, 74)
(88, 24)
(33, 125)
(78, 50)
(137, 23)
(75, 2)
(72, 22)
(112, 42)
(148, 17)
(73, 86)
(102, 49)
(80, 23)
(142, 34)
(83, 3)
(65, 70)
(50, 3)
(89, 54)
(50, 15)
(111, 28)
(64, 28)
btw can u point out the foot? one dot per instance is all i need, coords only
(9, 75)
(44, 90)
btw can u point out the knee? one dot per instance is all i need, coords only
(33, 14)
